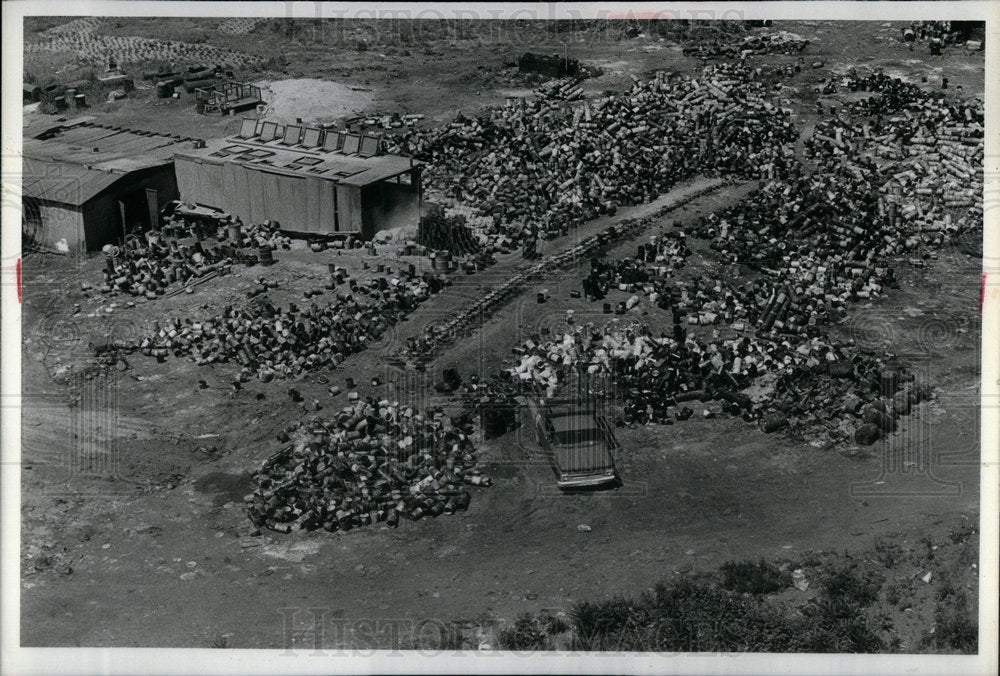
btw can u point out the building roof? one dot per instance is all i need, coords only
(92, 144)
(294, 150)
(73, 161)
(63, 182)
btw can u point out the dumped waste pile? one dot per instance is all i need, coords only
(773, 381)
(272, 343)
(781, 42)
(374, 462)
(436, 336)
(182, 253)
(440, 231)
(547, 166)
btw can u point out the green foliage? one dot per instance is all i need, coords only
(747, 577)
(527, 633)
(531, 632)
(852, 585)
(888, 553)
(962, 532)
(956, 627)
(697, 616)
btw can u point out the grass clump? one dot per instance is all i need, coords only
(747, 577)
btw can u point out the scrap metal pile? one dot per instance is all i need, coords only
(548, 166)
(437, 230)
(941, 32)
(773, 380)
(375, 462)
(817, 243)
(930, 147)
(564, 89)
(781, 42)
(665, 253)
(181, 254)
(888, 189)
(436, 336)
(271, 343)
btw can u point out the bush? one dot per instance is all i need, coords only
(888, 553)
(955, 630)
(849, 585)
(527, 633)
(699, 616)
(747, 577)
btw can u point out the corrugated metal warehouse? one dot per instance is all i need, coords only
(309, 180)
(88, 184)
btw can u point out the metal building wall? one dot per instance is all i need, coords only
(59, 221)
(255, 194)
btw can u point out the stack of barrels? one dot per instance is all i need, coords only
(446, 233)
(657, 378)
(180, 251)
(272, 343)
(548, 165)
(373, 463)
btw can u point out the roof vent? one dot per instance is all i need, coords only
(199, 143)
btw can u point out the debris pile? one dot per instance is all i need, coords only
(775, 381)
(422, 348)
(375, 462)
(442, 232)
(654, 262)
(181, 254)
(547, 166)
(941, 33)
(565, 89)
(781, 42)
(270, 343)
(889, 187)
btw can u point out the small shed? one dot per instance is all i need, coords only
(309, 179)
(89, 184)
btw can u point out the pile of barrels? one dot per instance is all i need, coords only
(182, 253)
(441, 232)
(655, 261)
(773, 381)
(894, 179)
(374, 462)
(942, 31)
(436, 336)
(781, 42)
(762, 43)
(269, 342)
(548, 166)
(563, 89)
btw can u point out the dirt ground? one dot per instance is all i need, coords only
(133, 532)
(312, 100)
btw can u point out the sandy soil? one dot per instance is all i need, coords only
(312, 100)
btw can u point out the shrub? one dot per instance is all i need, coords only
(888, 553)
(699, 616)
(747, 577)
(527, 633)
(956, 628)
(849, 585)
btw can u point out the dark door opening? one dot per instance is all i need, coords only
(139, 210)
